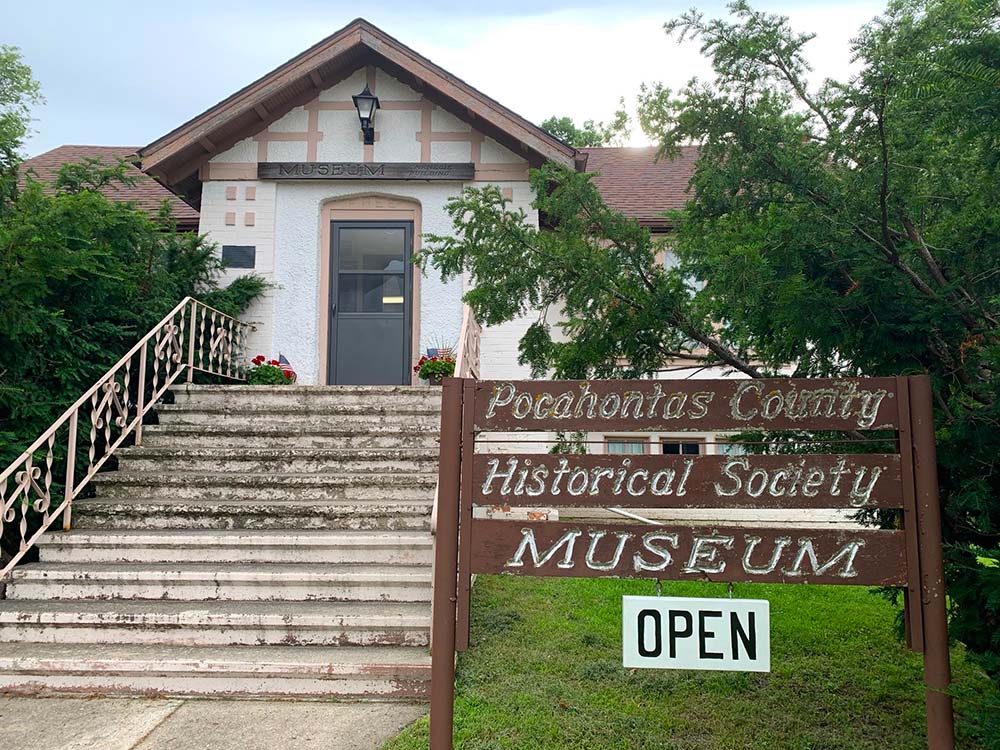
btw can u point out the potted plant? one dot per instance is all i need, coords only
(269, 372)
(435, 369)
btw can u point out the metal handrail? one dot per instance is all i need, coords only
(192, 337)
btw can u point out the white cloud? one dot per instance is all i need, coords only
(128, 77)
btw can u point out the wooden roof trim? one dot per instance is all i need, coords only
(358, 33)
(472, 99)
(252, 95)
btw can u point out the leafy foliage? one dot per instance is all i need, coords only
(267, 374)
(18, 92)
(590, 133)
(81, 277)
(845, 229)
(435, 367)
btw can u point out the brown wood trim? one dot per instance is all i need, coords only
(356, 34)
(691, 405)
(848, 481)
(862, 557)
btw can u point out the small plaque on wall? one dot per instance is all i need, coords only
(239, 256)
(376, 170)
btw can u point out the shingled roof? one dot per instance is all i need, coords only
(146, 194)
(633, 182)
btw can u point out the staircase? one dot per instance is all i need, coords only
(265, 542)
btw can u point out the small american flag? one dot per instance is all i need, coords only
(286, 367)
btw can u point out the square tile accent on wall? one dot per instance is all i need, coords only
(230, 218)
(231, 193)
(249, 218)
(250, 193)
(239, 256)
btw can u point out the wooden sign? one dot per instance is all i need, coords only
(907, 556)
(848, 481)
(617, 405)
(863, 557)
(376, 170)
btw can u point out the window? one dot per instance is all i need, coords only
(239, 256)
(626, 446)
(681, 447)
(725, 448)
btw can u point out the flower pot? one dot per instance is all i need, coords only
(435, 380)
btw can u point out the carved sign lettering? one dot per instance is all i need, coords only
(328, 170)
(824, 481)
(860, 557)
(690, 405)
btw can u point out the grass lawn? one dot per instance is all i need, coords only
(544, 672)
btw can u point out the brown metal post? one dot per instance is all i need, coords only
(465, 520)
(937, 666)
(912, 608)
(446, 568)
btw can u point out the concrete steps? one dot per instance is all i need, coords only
(213, 514)
(321, 547)
(209, 581)
(376, 399)
(219, 672)
(261, 542)
(282, 460)
(229, 486)
(216, 623)
(354, 419)
(282, 436)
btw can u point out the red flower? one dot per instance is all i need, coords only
(288, 375)
(258, 360)
(273, 362)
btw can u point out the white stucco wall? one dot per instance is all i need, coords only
(286, 227)
(297, 232)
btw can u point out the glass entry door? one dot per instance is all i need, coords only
(370, 288)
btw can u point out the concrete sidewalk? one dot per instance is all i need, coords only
(178, 724)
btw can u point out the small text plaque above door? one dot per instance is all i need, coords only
(376, 170)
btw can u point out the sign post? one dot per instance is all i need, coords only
(695, 634)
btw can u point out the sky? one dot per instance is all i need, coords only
(123, 73)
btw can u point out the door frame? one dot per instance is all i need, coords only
(334, 272)
(364, 206)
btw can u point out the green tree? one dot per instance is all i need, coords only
(849, 228)
(19, 91)
(590, 133)
(81, 277)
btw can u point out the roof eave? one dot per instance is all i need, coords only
(156, 157)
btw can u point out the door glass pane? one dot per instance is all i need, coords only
(370, 292)
(372, 249)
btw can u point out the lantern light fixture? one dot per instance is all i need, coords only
(366, 103)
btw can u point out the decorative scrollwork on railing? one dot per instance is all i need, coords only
(41, 484)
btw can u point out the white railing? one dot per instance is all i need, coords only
(466, 366)
(193, 336)
(467, 354)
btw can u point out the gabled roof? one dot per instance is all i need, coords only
(633, 182)
(146, 194)
(176, 156)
